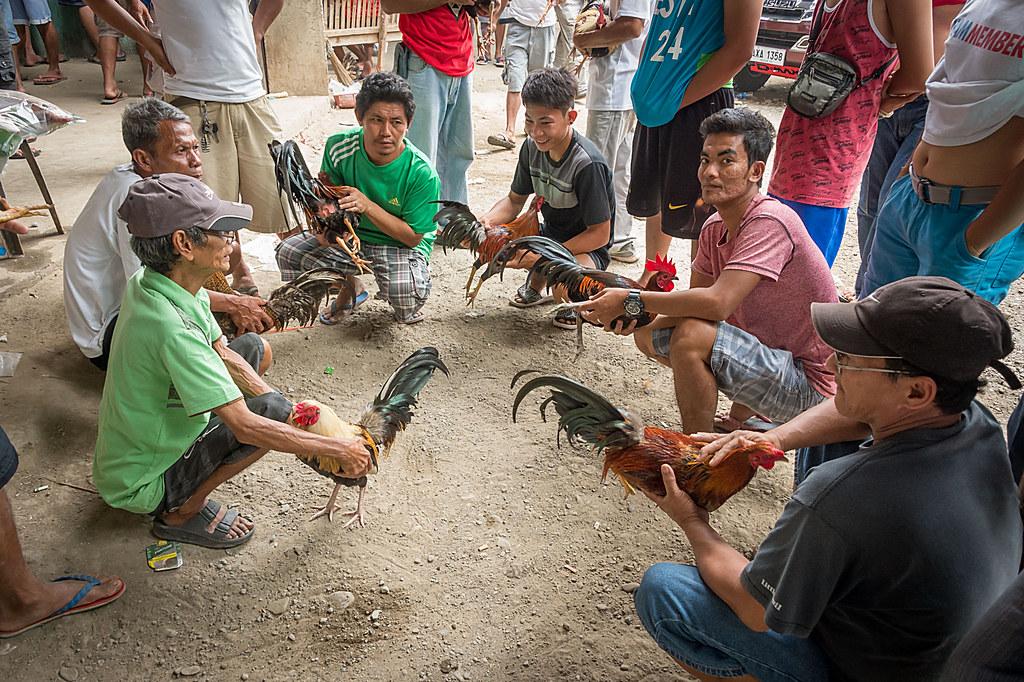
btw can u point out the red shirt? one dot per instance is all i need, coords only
(441, 38)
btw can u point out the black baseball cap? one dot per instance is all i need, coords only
(160, 204)
(931, 323)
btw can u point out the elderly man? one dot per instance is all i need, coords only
(392, 186)
(97, 257)
(884, 558)
(158, 451)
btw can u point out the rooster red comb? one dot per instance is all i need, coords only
(661, 264)
(305, 414)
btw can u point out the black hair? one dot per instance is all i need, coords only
(757, 131)
(159, 253)
(952, 397)
(385, 86)
(551, 88)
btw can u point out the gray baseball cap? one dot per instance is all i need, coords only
(160, 204)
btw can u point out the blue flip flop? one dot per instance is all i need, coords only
(336, 309)
(74, 605)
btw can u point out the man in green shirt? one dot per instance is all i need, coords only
(393, 187)
(158, 451)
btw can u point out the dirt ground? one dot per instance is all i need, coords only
(488, 555)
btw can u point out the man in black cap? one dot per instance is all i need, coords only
(158, 450)
(883, 559)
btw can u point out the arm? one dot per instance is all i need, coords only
(742, 18)
(266, 12)
(117, 17)
(505, 210)
(391, 225)
(1003, 215)
(417, 6)
(718, 563)
(253, 429)
(246, 312)
(241, 372)
(620, 31)
(912, 32)
(593, 238)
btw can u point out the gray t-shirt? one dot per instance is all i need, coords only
(888, 556)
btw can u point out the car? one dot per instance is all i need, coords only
(782, 41)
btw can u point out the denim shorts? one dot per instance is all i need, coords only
(695, 627)
(916, 238)
(769, 381)
(8, 459)
(31, 12)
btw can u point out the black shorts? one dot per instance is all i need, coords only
(8, 459)
(664, 171)
(217, 445)
(600, 256)
(108, 338)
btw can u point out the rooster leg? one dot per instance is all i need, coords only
(471, 299)
(328, 510)
(356, 517)
(579, 336)
(469, 282)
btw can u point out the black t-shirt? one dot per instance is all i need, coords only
(994, 650)
(577, 190)
(888, 556)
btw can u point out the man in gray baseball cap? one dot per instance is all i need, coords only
(884, 558)
(159, 451)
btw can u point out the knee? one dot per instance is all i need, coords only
(652, 595)
(268, 357)
(692, 335)
(271, 405)
(642, 339)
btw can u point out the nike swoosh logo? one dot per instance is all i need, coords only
(674, 207)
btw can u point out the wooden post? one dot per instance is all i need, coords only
(295, 49)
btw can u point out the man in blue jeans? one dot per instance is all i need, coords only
(436, 58)
(825, 596)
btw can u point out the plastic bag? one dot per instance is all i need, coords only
(23, 115)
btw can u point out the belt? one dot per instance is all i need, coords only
(950, 195)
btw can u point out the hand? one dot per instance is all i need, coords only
(891, 101)
(582, 40)
(353, 200)
(140, 13)
(721, 445)
(352, 453)
(248, 315)
(15, 226)
(155, 50)
(679, 506)
(974, 247)
(604, 306)
(523, 261)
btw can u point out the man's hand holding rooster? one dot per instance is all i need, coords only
(248, 315)
(679, 506)
(720, 445)
(354, 200)
(602, 309)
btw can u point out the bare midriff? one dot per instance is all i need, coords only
(983, 163)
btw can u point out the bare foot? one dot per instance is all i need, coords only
(52, 596)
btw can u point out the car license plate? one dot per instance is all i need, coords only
(769, 55)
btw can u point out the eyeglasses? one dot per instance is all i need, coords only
(229, 237)
(841, 367)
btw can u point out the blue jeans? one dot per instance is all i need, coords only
(916, 238)
(895, 142)
(700, 630)
(824, 223)
(442, 127)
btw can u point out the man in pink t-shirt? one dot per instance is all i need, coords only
(744, 325)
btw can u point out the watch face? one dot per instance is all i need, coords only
(633, 308)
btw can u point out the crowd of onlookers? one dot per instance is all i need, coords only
(899, 553)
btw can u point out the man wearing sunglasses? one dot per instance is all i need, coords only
(885, 558)
(158, 450)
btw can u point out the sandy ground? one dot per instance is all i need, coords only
(488, 554)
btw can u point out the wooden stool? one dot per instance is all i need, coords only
(11, 240)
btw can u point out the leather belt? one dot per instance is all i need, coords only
(950, 195)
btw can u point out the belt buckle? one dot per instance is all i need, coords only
(924, 188)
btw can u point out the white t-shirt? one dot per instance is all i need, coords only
(611, 76)
(98, 261)
(527, 12)
(978, 85)
(211, 46)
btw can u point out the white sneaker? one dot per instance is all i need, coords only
(623, 252)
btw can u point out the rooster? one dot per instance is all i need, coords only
(559, 268)
(296, 301)
(389, 413)
(635, 453)
(461, 229)
(318, 199)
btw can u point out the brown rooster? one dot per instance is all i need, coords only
(389, 413)
(461, 229)
(296, 301)
(635, 453)
(559, 268)
(318, 199)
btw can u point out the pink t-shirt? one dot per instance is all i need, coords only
(774, 244)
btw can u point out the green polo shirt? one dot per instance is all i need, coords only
(406, 187)
(163, 378)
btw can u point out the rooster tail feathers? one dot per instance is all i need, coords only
(459, 227)
(583, 415)
(293, 176)
(300, 299)
(391, 410)
(549, 251)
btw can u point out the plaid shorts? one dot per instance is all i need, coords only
(402, 274)
(8, 459)
(767, 380)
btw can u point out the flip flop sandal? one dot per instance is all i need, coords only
(194, 531)
(417, 317)
(501, 140)
(74, 605)
(336, 313)
(527, 298)
(565, 319)
(249, 291)
(726, 424)
(115, 99)
(48, 80)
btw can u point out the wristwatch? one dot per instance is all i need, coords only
(633, 305)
